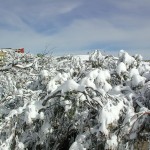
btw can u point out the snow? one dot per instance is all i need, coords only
(87, 83)
(93, 74)
(126, 58)
(146, 75)
(107, 87)
(44, 74)
(121, 68)
(51, 86)
(137, 80)
(24, 66)
(32, 111)
(81, 97)
(83, 57)
(133, 71)
(21, 146)
(96, 55)
(95, 100)
(103, 75)
(116, 90)
(41, 116)
(67, 105)
(77, 146)
(70, 85)
(130, 113)
(109, 115)
(46, 128)
(111, 143)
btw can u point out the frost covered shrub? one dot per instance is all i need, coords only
(96, 58)
(128, 60)
(67, 103)
(102, 61)
(138, 59)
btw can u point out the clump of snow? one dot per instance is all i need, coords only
(109, 115)
(146, 75)
(77, 146)
(128, 60)
(138, 57)
(67, 105)
(137, 80)
(44, 74)
(143, 67)
(79, 143)
(121, 68)
(51, 86)
(32, 111)
(111, 143)
(96, 56)
(70, 85)
(107, 87)
(103, 75)
(133, 71)
(87, 82)
(116, 90)
(93, 74)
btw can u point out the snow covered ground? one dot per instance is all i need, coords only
(80, 102)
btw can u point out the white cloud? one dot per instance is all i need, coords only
(94, 30)
(118, 29)
(78, 35)
(44, 9)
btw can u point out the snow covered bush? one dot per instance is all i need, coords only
(128, 60)
(67, 103)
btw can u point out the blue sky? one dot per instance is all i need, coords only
(76, 26)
